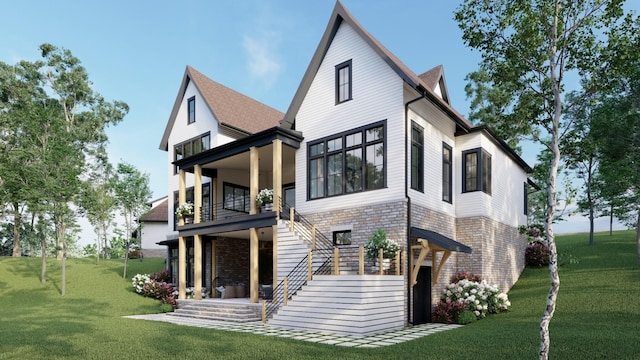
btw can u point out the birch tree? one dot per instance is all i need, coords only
(529, 47)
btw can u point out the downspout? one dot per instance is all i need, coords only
(406, 195)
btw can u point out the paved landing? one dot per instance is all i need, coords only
(373, 341)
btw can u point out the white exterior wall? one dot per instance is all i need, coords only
(153, 232)
(376, 96)
(506, 202)
(438, 129)
(181, 131)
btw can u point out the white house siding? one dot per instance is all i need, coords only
(377, 95)
(438, 129)
(506, 202)
(181, 131)
(153, 232)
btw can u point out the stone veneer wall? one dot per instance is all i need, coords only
(498, 250)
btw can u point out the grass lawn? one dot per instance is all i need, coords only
(598, 316)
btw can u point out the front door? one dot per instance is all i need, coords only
(422, 297)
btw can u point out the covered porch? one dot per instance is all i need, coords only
(237, 171)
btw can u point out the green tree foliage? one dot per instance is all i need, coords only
(132, 194)
(528, 48)
(53, 125)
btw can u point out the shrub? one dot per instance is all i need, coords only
(134, 254)
(466, 317)
(448, 311)
(478, 297)
(162, 276)
(139, 281)
(537, 254)
(461, 275)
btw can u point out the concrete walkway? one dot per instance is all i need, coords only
(373, 341)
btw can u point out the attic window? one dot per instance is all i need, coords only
(192, 110)
(343, 82)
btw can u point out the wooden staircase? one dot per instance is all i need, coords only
(235, 310)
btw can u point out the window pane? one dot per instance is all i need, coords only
(375, 166)
(316, 178)
(343, 84)
(205, 142)
(178, 152)
(334, 174)
(354, 170)
(192, 110)
(334, 144)
(375, 134)
(187, 149)
(247, 200)
(317, 149)
(471, 171)
(446, 173)
(342, 237)
(354, 139)
(197, 146)
(228, 197)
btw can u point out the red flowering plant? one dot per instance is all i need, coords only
(461, 275)
(448, 311)
(537, 254)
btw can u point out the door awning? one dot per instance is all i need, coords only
(439, 240)
(431, 241)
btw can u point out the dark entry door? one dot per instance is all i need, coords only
(422, 297)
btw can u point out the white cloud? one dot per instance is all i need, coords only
(263, 63)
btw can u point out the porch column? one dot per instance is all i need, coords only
(197, 267)
(197, 194)
(182, 241)
(197, 239)
(253, 232)
(277, 176)
(254, 177)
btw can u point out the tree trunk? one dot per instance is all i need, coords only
(638, 237)
(611, 220)
(43, 246)
(60, 233)
(17, 221)
(590, 200)
(126, 260)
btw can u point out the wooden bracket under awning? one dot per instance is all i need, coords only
(436, 267)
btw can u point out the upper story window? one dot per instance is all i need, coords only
(343, 82)
(417, 157)
(345, 163)
(191, 147)
(191, 106)
(447, 167)
(236, 197)
(476, 171)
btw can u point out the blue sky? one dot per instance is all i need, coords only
(136, 51)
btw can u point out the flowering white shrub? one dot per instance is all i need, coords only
(139, 281)
(479, 297)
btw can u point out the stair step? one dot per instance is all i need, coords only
(218, 310)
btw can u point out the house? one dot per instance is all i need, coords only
(365, 144)
(154, 228)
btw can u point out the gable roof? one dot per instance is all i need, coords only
(341, 14)
(159, 213)
(230, 108)
(434, 77)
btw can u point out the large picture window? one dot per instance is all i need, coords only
(447, 167)
(349, 162)
(476, 170)
(343, 82)
(236, 198)
(191, 147)
(417, 157)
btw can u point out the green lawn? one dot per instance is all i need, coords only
(598, 316)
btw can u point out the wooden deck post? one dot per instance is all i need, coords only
(286, 291)
(336, 261)
(310, 267)
(361, 260)
(264, 311)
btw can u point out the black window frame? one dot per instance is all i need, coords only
(191, 110)
(201, 143)
(349, 66)
(246, 201)
(447, 173)
(417, 157)
(321, 156)
(483, 177)
(340, 242)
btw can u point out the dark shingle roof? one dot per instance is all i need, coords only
(160, 213)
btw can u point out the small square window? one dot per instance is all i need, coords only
(342, 237)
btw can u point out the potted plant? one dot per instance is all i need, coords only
(265, 199)
(379, 241)
(185, 211)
